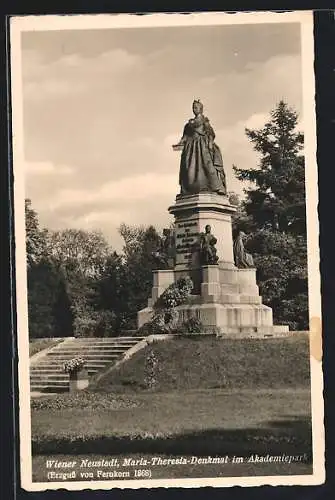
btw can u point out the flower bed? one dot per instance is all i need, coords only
(83, 400)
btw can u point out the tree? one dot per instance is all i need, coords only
(234, 198)
(277, 197)
(112, 290)
(79, 251)
(48, 303)
(81, 256)
(35, 237)
(273, 214)
(281, 262)
(139, 262)
(49, 309)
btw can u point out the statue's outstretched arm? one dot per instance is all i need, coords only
(182, 140)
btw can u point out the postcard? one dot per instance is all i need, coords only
(167, 254)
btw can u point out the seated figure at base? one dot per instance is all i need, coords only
(208, 253)
(164, 255)
(241, 257)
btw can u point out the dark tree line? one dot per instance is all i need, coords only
(78, 285)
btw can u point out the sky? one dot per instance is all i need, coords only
(102, 109)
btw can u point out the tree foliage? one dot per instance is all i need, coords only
(274, 216)
(49, 307)
(277, 196)
(77, 273)
(139, 262)
(35, 237)
(79, 251)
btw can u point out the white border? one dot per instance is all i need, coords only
(82, 22)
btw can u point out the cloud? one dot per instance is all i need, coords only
(143, 142)
(109, 221)
(110, 114)
(208, 80)
(72, 74)
(256, 121)
(254, 89)
(139, 200)
(132, 190)
(171, 139)
(46, 169)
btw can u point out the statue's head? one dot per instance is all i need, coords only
(208, 228)
(197, 107)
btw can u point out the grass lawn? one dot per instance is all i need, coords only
(212, 398)
(202, 421)
(210, 363)
(37, 345)
(193, 423)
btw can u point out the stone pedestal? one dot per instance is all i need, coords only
(225, 299)
(161, 280)
(192, 213)
(78, 381)
(210, 286)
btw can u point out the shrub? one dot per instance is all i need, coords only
(151, 370)
(191, 325)
(165, 316)
(147, 329)
(175, 295)
(38, 345)
(83, 400)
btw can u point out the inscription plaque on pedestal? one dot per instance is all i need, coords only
(187, 242)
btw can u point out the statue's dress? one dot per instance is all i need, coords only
(241, 257)
(201, 167)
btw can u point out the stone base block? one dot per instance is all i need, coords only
(223, 316)
(225, 300)
(256, 332)
(229, 320)
(235, 320)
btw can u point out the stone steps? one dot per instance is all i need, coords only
(101, 342)
(59, 364)
(47, 368)
(51, 374)
(104, 340)
(46, 372)
(101, 347)
(49, 389)
(55, 383)
(61, 377)
(86, 354)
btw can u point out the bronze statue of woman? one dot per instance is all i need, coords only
(201, 165)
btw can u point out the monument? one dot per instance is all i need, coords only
(225, 297)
